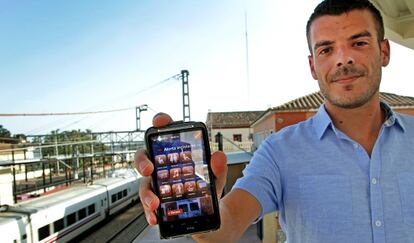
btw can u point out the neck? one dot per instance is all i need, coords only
(361, 124)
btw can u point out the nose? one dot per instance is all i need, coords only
(344, 57)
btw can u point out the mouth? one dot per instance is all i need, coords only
(346, 79)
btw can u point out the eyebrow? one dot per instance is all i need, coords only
(353, 37)
(359, 35)
(322, 43)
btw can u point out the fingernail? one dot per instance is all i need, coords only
(148, 201)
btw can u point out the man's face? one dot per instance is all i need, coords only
(347, 58)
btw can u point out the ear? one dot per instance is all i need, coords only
(312, 67)
(385, 52)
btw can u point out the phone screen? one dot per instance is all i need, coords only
(182, 175)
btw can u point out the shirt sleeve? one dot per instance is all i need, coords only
(261, 178)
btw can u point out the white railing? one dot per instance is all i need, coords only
(232, 147)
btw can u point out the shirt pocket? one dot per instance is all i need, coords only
(326, 203)
(406, 184)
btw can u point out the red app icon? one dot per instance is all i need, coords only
(178, 189)
(161, 159)
(207, 204)
(185, 156)
(173, 158)
(188, 171)
(165, 190)
(163, 174)
(190, 186)
(175, 173)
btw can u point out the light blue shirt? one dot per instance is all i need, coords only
(327, 188)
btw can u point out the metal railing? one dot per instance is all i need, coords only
(231, 146)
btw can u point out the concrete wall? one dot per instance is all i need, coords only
(263, 128)
(228, 133)
(6, 186)
(406, 111)
(284, 119)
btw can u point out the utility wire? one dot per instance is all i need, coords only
(64, 113)
(174, 77)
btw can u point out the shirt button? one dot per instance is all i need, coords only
(378, 223)
(355, 145)
(374, 181)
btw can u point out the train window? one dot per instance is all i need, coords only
(119, 195)
(82, 213)
(58, 225)
(43, 232)
(71, 219)
(113, 198)
(91, 209)
(124, 193)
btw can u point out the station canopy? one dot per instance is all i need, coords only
(398, 18)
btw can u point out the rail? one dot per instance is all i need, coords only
(125, 226)
(131, 230)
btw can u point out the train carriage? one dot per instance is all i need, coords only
(122, 190)
(16, 225)
(66, 214)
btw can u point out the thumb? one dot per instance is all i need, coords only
(219, 167)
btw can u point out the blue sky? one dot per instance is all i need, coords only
(69, 56)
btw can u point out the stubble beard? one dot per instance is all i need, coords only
(356, 100)
(352, 102)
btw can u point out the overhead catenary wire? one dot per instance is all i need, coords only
(88, 113)
(65, 113)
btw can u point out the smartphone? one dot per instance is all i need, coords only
(183, 179)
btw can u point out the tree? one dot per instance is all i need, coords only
(4, 135)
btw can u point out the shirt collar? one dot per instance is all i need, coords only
(391, 117)
(322, 120)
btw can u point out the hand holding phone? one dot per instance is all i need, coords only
(199, 197)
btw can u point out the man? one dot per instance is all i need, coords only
(344, 175)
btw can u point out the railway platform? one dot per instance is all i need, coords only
(150, 235)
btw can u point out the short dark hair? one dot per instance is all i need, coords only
(338, 7)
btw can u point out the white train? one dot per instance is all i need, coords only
(64, 215)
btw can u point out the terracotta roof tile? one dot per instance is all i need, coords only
(232, 119)
(314, 101)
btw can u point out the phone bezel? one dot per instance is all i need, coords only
(200, 224)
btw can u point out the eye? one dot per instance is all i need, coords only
(360, 43)
(325, 51)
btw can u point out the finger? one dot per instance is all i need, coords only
(151, 218)
(149, 200)
(161, 120)
(142, 163)
(219, 167)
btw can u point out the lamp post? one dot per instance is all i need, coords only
(138, 110)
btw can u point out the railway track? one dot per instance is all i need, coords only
(131, 230)
(123, 227)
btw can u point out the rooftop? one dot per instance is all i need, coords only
(236, 119)
(315, 100)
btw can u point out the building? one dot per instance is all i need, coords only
(234, 126)
(10, 152)
(302, 108)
